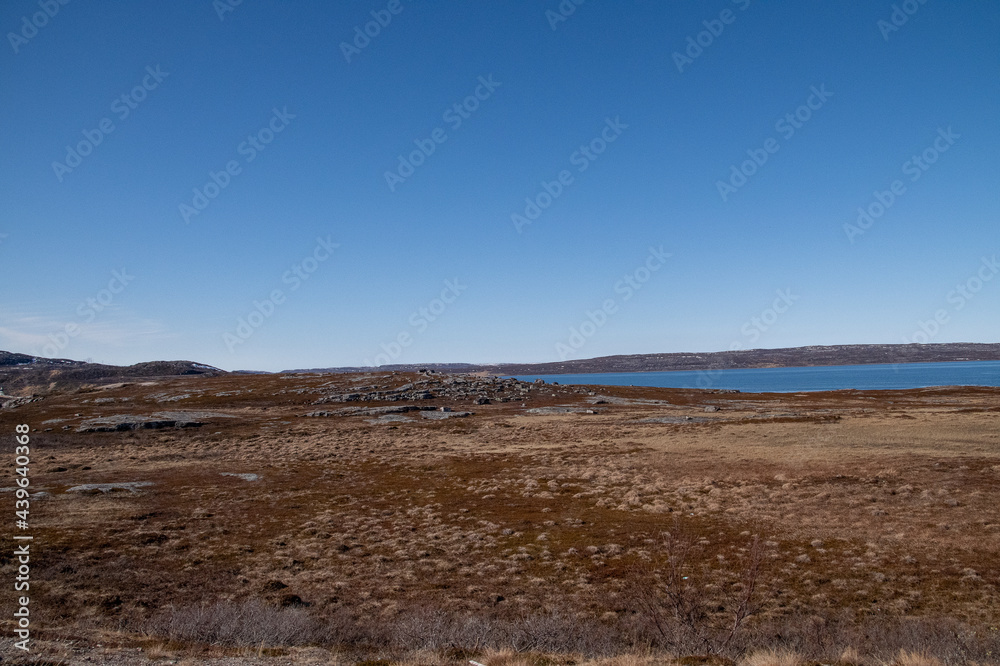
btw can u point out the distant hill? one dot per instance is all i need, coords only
(408, 367)
(21, 373)
(750, 358)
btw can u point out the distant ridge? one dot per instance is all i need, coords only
(816, 355)
(22, 373)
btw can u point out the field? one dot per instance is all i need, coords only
(431, 519)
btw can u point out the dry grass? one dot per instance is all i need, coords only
(541, 534)
(773, 658)
(906, 658)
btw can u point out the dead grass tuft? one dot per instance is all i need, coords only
(773, 658)
(907, 658)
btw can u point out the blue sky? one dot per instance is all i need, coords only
(644, 109)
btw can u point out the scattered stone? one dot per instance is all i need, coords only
(390, 418)
(94, 488)
(437, 416)
(558, 409)
(10, 402)
(158, 420)
(674, 419)
(435, 386)
(238, 475)
(617, 400)
(711, 408)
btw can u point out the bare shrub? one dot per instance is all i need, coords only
(672, 601)
(880, 639)
(553, 631)
(244, 624)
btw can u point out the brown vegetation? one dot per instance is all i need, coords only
(848, 527)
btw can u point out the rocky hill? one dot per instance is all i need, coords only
(21, 374)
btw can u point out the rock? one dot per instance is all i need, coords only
(93, 488)
(558, 409)
(238, 475)
(482, 400)
(673, 419)
(437, 416)
(711, 408)
(10, 402)
(293, 601)
(158, 420)
(390, 418)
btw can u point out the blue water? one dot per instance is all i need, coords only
(788, 380)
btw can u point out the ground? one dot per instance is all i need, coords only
(320, 518)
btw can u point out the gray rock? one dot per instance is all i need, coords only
(132, 486)
(158, 420)
(238, 475)
(558, 409)
(438, 416)
(390, 418)
(674, 419)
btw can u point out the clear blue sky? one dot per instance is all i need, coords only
(669, 130)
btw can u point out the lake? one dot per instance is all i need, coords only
(790, 380)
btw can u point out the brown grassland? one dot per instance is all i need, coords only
(620, 526)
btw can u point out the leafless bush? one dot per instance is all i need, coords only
(244, 624)
(664, 626)
(879, 639)
(553, 631)
(679, 614)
